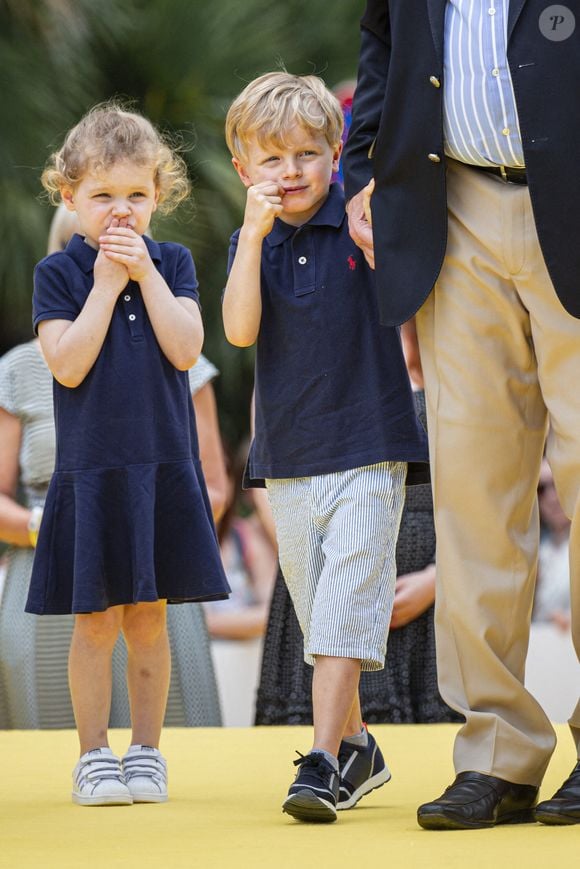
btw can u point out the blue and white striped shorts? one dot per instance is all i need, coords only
(337, 535)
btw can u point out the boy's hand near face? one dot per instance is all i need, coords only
(242, 308)
(263, 205)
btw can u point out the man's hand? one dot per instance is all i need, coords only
(263, 205)
(360, 221)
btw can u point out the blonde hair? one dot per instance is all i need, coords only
(107, 134)
(271, 105)
(63, 226)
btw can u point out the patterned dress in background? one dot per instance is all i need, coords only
(34, 649)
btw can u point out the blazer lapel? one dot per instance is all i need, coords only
(436, 10)
(516, 7)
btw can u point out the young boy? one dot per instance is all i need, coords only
(334, 418)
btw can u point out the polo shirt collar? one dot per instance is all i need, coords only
(331, 213)
(84, 255)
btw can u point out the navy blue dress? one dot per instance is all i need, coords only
(127, 517)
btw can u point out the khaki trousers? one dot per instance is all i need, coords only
(501, 358)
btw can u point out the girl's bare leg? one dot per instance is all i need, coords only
(90, 677)
(148, 669)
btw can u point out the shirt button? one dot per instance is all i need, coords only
(435, 158)
(491, 11)
(495, 71)
(434, 81)
(302, 260)
(506, 131)
(132, 317)
(127, 298)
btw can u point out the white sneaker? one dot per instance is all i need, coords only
(98, 780)
(145, 772)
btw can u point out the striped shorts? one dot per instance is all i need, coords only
(337, 535)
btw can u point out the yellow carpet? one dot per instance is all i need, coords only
(226, 788)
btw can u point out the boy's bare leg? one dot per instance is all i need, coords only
(335, 701)
(355, 722)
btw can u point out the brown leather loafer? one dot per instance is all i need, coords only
(476, 800)
(564, 807)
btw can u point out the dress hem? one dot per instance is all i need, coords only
(82, 610)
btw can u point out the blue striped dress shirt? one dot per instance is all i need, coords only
(479, 108)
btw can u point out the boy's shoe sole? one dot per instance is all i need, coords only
(371, 784)
(306, 806)
(103, 800)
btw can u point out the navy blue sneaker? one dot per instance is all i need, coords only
(314, 794)
(361, 771)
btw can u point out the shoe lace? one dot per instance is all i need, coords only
(302, 758)
(314, 761)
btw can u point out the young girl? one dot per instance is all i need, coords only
(127, 525)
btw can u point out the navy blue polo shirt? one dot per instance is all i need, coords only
(332, 390)
(130, 407)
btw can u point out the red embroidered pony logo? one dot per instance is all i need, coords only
(351, 263)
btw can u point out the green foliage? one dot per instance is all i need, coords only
(181, 62)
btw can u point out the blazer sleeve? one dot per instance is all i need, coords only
(371, 85)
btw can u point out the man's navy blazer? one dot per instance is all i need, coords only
(397, 136)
